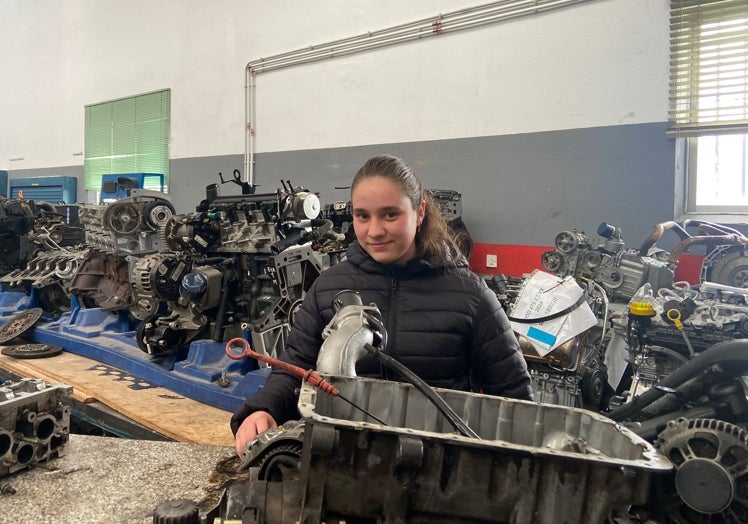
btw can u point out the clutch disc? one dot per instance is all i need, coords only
(31, 351)
(20, 324)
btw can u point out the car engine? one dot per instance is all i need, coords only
(675, 361)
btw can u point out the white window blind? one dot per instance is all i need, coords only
(128, 135)
(708, 67)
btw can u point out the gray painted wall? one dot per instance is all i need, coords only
(518, 189)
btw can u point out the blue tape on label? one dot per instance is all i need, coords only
(541, 336)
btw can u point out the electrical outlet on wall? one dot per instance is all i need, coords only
(492, 261)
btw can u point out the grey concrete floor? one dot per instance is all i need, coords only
(113, 480)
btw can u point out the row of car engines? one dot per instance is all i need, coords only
(243, 263)
(239, 263)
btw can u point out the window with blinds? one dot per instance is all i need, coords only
(128, 135)
(708, 111)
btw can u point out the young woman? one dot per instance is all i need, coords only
(442, 320)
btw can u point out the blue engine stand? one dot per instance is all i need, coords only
(201, 372)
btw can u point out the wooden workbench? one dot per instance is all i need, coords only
(165, 412)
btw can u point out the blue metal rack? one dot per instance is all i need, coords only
(201, 372)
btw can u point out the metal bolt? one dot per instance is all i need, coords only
(7, 489)
(224, 380)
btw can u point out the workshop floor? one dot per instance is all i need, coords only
(105, 479)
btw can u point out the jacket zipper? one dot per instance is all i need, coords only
(391, 325)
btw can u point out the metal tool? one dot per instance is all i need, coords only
(309, 375)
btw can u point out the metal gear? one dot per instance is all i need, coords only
(281, 462)
(20, 324)
(123, 218)
(726, 265)
(711, 479)
(569, 241)
(158, 212)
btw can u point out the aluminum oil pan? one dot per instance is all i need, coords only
(533, 463)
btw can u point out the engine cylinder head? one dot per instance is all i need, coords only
(6, 443)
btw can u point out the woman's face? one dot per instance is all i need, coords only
(384, 220)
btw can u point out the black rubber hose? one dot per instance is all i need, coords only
(424, 388)
(293, 237)
(221, 313)
(729, 351)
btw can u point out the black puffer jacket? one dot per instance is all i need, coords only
(447, 327)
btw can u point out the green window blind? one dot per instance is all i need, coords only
(129, 135)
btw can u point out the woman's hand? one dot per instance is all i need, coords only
(252, 426)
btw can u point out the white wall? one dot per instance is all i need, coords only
(596, 64)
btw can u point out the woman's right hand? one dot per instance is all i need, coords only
(252, 426)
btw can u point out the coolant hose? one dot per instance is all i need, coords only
(424, 388)
(729, 351)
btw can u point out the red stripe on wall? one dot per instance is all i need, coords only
(512, 261)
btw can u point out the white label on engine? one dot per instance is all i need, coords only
(542, 295)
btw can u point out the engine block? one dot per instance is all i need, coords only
(131, 225)
(34, 423)
(620, 271)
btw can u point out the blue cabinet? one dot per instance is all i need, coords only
(52, 189)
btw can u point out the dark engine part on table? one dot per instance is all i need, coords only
(28, 227)
(339, 465)
(620, 271)
(34, 423)
(228, 302)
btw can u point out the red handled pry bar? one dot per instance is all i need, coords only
(309, 375)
